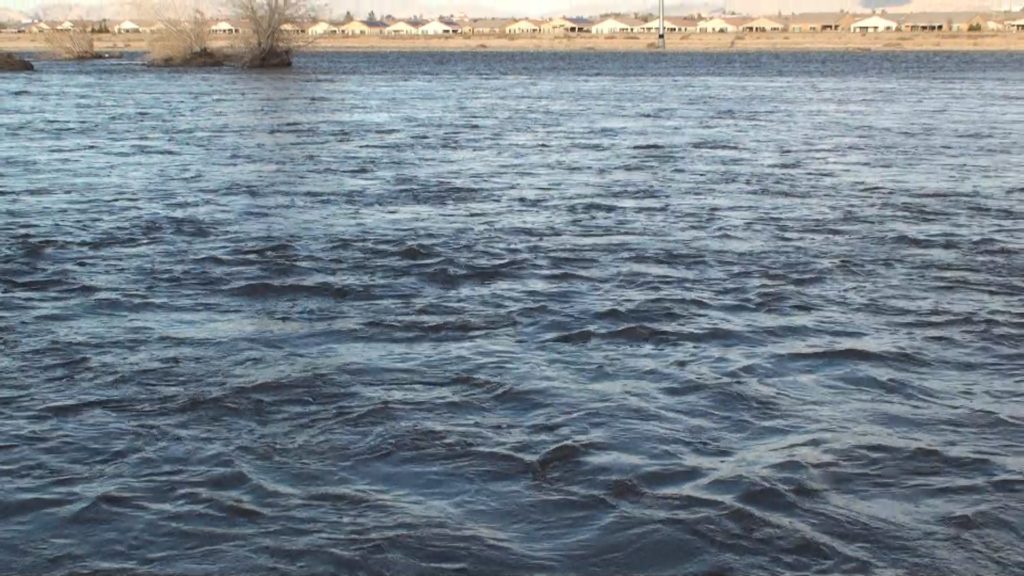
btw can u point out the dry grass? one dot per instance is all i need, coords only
(71, 45)
(767, 42)
(168, 46)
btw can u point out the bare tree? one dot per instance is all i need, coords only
(181, 35)
(269, 46)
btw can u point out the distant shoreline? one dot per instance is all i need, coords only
(733, 42)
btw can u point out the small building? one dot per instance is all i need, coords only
(716, 26)
(438, 28)
(565, 25)
(127, 27)
(523, 27)
(821, 22)
(487, 26)
(66, 26)
(39, 28)
(1015, 25)
(362, 28)
(874, 24)
(616, 25)
(290, 28)
(224, 27)
(322, 29)
(762, 25)
(401, 28)
(672, 24)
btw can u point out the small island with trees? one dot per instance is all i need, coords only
(182, 38)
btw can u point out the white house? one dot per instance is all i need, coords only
(401, 28)
(224, 27)
(762, 25)
(289, 28)
(438, 27)
(874, 24)
(715, 25)
(127, 27)
(523, 27)
(1015, 25)
(39, 28)
(321, 29)
(672, 24)
(362, 28)
(616, 25)
(821, 22)
(66, 26)
(557, 25)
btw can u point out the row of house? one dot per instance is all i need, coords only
(447, 26)
(813, 22)
(819, 22)
(810, 22)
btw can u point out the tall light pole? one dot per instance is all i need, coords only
(661, 24)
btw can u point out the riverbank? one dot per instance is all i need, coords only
(767, 42)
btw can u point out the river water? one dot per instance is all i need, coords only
(514, 314)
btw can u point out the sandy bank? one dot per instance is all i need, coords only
(777, 41)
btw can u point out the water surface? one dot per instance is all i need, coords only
(514, 313)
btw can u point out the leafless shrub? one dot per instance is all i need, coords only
(268, 46)
(71, 44)
(181, 35)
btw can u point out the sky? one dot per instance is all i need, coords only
(538, 8)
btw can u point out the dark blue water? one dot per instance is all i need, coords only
(514, 313)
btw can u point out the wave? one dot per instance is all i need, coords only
(270, 290)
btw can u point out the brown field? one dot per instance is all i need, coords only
(760, 42)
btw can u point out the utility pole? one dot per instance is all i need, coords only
(661, 24)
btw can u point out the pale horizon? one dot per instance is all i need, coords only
(542, 8)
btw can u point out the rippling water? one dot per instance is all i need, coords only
(515, 313)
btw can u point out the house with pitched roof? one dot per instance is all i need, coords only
(322, 28)
(403, 28)
(672, 24)
(362, 28)
(439, 27)
(563, 25)
(716, 26)
(874, 24)
(487, 26)
(523, 27)
(224, 27)
(762, 25)
(127, 27)
(616, 25)
(821, 22)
